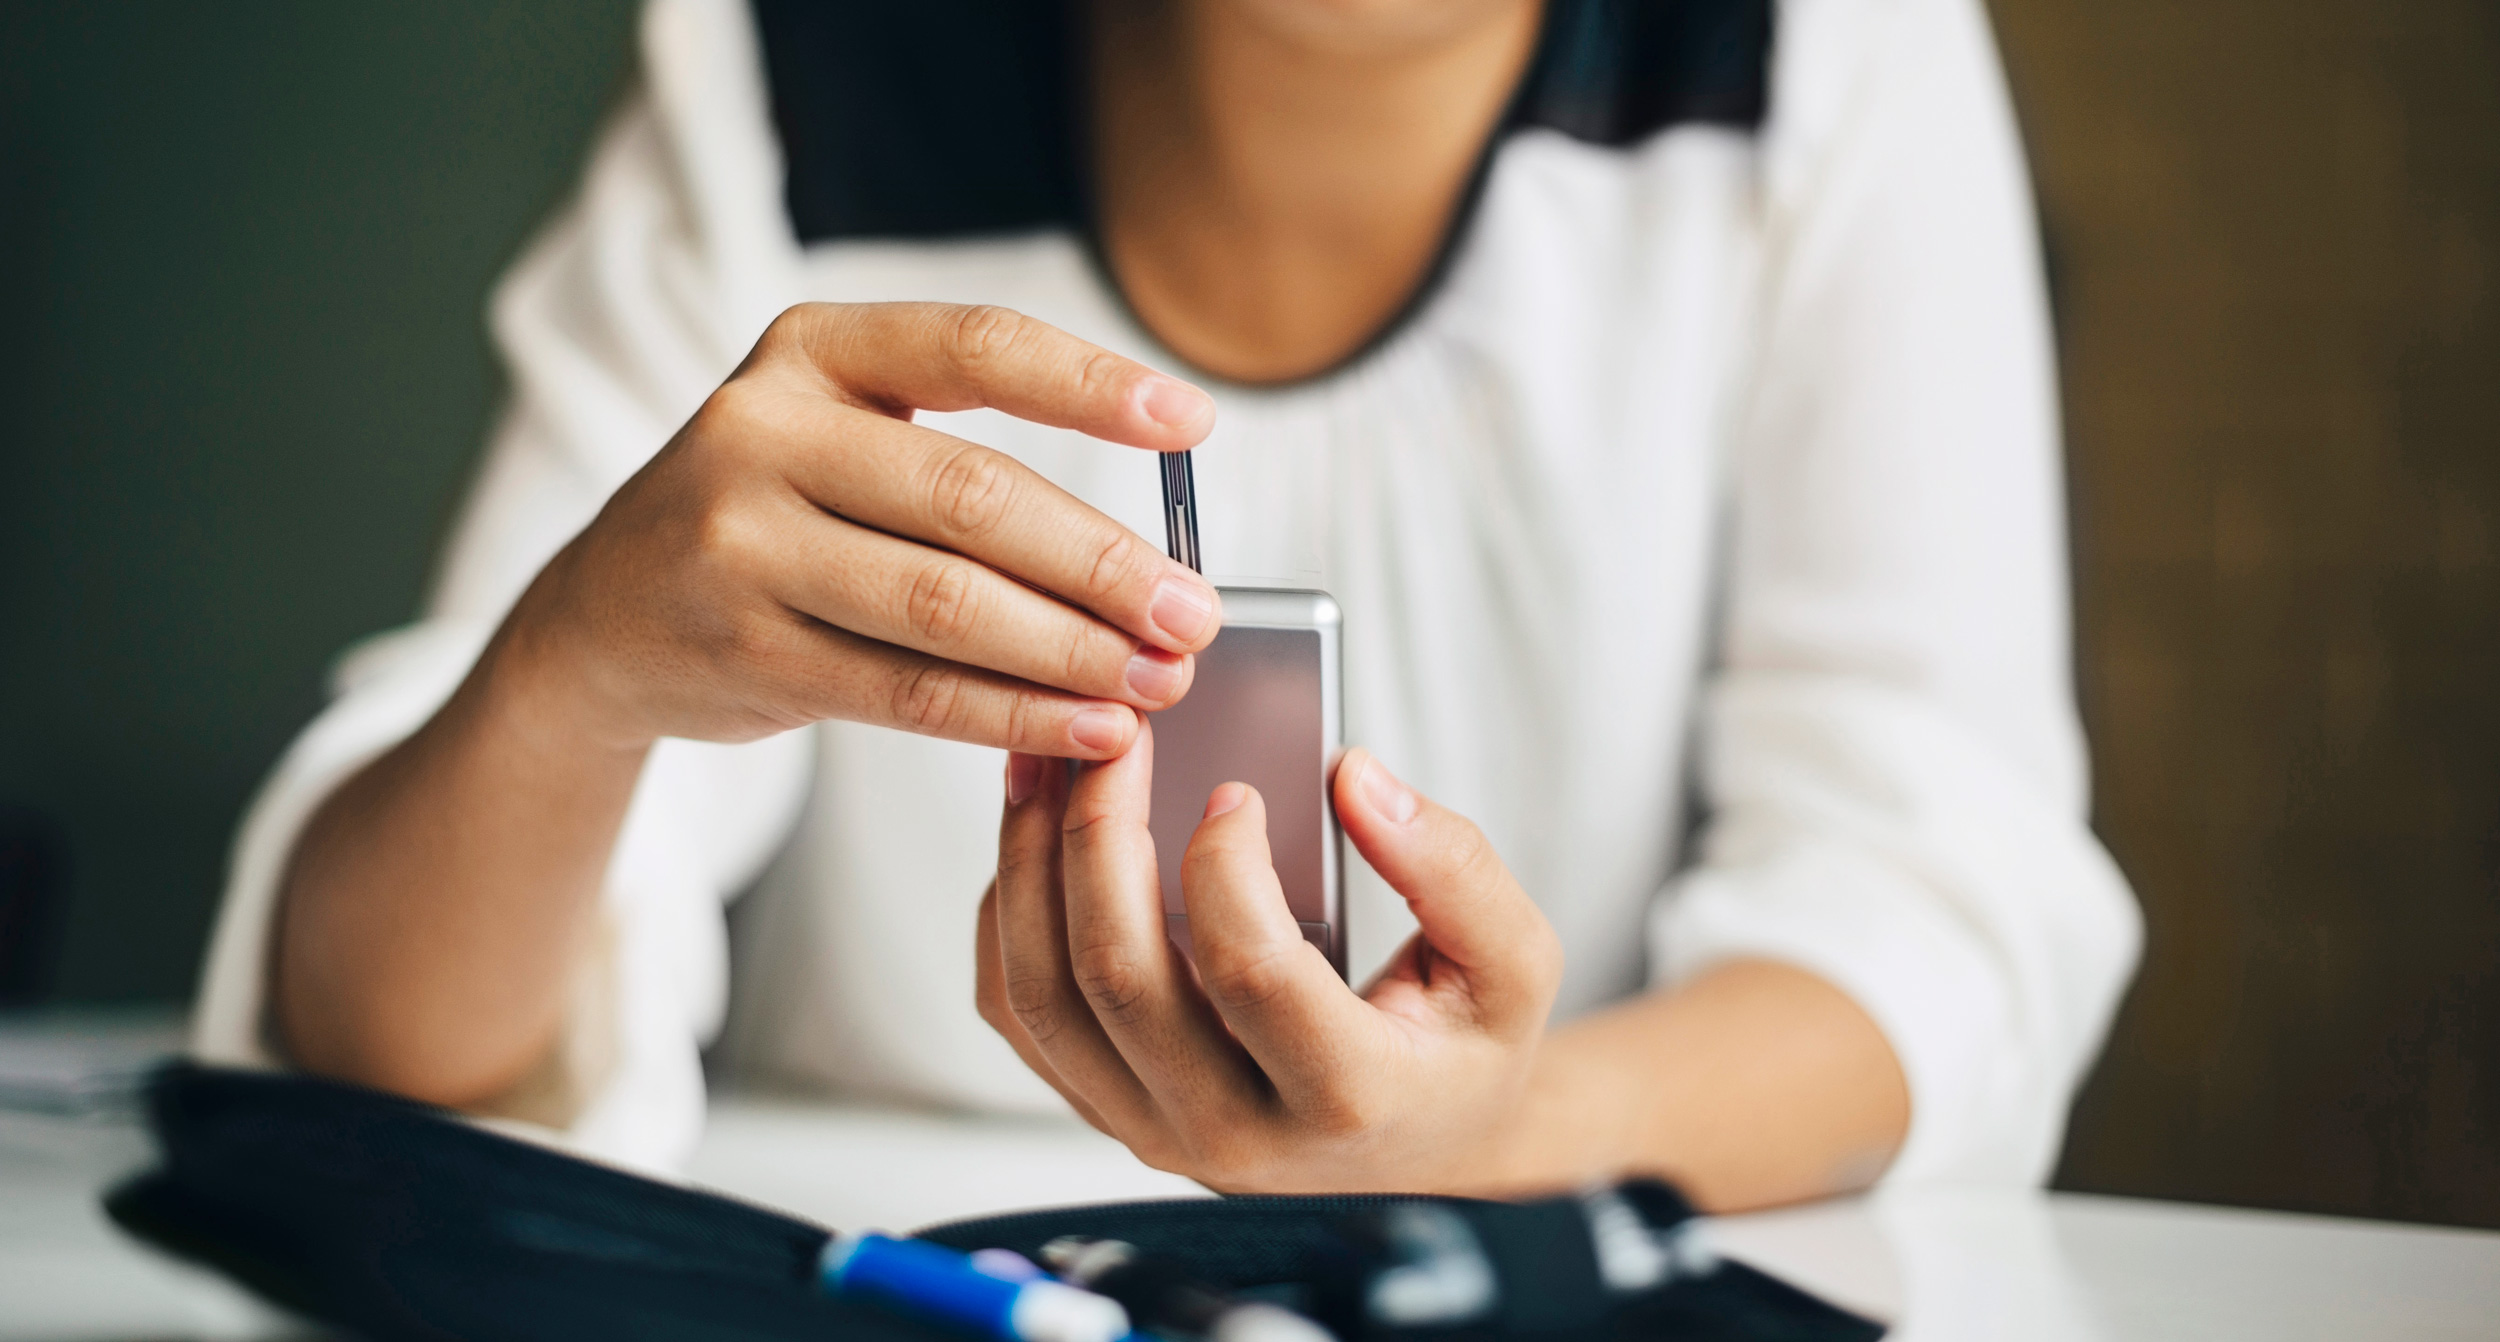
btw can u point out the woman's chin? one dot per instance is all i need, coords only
(1375, 27)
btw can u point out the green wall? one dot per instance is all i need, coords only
(243, 373)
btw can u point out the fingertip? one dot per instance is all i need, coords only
(1158, 677)
(1226, 798)
(1024, 776)
(1231, 835)
(1118, 788)
(1228, 875)
(1102, 731)
(1234, 824)
(1031, 814)
(1179, 412)
(1350, 764)
(1366, 785)
(1187, 610)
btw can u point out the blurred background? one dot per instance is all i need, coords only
(243, 377)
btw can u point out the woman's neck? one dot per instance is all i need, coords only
(1271, 192)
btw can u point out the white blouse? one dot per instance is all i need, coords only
(1700, 536)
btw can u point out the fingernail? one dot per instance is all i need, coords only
(1024, 773)
(1173, 404)
(1226, 797)
(1100, 728)
(1183, 609)
(1384, 793)
(1154, 675)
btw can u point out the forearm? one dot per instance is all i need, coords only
(438, 904)
(1755, 1084)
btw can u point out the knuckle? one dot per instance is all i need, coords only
(794, 331)
(1470, 854)
(730, 406)
(751, 641)
(796, 320)
(1225, 1158)
(1211, 859)
(1348, 1110)
(784, 331)
(943, 605)
(746, 426)
(1112, 981)
(726, 538)
(727, 425)
(1077, 665)
(928, 699)
(1100, 374)
(1020, 867)
(981, 333)
(1032, 1001)
(1084, 834)
(1122, 562)
(1158, 1151)
(1027, 721)
(786, 326)
(1244, 979)
(972, 491)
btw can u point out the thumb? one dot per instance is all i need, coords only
(1470, 908)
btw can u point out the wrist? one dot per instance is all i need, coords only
(540, 682)
(1560, 1131)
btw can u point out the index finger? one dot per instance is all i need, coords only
(1121, 953)
(900, 357)
(884, 472)
(983, 504)
(1277, 991)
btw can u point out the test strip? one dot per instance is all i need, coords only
(1180, 510)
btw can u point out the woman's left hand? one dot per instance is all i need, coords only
(1263, 1071)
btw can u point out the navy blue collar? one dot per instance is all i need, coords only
(936, 118)
(918, 119)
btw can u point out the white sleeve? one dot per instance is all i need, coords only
(1889, 752)
(622, 316)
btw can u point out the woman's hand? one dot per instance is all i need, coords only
(802, 551)
(799, 551)
(1263, 1071)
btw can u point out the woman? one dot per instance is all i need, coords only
(1668, 407)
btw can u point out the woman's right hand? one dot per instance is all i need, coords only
(801, 550)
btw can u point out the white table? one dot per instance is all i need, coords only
(1947, 1265)
(1944, 1264)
